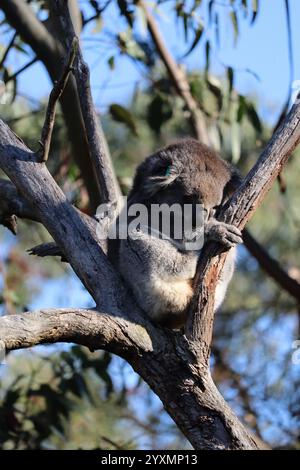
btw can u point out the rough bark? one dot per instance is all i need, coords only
(166, 363)
(175, 368)
(174, 365)
(238, 211)
(20, 15)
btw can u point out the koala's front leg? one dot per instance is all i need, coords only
(226, 234)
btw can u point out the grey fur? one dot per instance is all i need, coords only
(160, 272)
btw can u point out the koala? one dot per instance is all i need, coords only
(160, 271)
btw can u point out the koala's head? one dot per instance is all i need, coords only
(185, 172)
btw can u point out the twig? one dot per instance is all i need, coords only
(22, 69)
(272, 267)
(55, 95)
(178, 77)
(9, 46)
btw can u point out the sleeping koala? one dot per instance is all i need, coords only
(160, 269)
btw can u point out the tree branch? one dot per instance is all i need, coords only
(72, 325)
(178, 77)
(55, 95)
(99, 154)
(21, 70)
(8, 48)
(195, 404)
(12, 205)
(272, 267)
(72, 233)
(237, 212)
(162, 357)
(20, 16)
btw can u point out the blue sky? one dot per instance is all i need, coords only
(262, 48)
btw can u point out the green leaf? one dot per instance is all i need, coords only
(121, 114)
(230, 76)
(198, 35)
(14, 89)
(215, 88)
(196, 87)
(126, 12)
(235, 25)
(242, 107)
(210, 9)
(255, 6)
(111, 62)
(185, 26)
(207, 56)
(253, 117)
(159, 112)
(20, 48)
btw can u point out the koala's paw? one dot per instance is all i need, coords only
(227, 234)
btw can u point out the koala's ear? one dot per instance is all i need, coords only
(233, 184)
(162, 177)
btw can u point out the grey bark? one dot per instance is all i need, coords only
(20, 15)
(175, 366)
(163, 358)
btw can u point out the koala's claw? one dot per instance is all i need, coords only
(227, 234)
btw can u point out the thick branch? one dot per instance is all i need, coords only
(161, 358)
(11, 203)
(108, 185)
(74, 236)
(87, 327)
(238, 211)
(20, 15)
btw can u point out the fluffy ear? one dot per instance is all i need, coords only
(156, 183)
(153, 175)
(233, 184)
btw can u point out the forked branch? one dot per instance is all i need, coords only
(238, 211)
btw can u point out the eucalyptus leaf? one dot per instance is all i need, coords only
(121, 114)
(198, 35)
